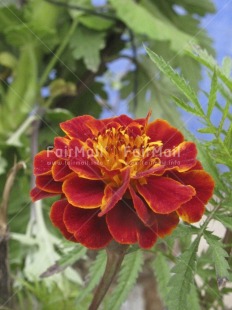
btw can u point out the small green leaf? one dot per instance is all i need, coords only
(143, 22)
(180, 283)
(127, 277)
(178, 80)
(212, 95)
(185, 106)
(208, 130)
(226, 220)
(87, 44)
(227, 66)
(219, 255)
(162, 273)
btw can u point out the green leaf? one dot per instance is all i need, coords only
(228, 138)
(141, 21)
(227, 66)
(193, 298)
(87, 44)
(180, 283)
(95, 22)
(96, 271)
(185, 106)
(224, 116)
(162, 273)
(219, 255)
(212, 95)
(177, 80)
(212, 130)
(127, 277)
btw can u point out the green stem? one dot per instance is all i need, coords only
(115, 256)
(58, 53)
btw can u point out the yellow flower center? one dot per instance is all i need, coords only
(116, 149)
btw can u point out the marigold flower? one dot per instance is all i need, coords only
(121, 179)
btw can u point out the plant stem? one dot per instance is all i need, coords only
(115, 256)
(58, 53)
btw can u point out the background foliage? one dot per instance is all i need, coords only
(56, 61)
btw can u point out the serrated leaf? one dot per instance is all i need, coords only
(127, 277)
(87, 44)
(180, 283)
(228, 138)
(212, 95)
(208, 130)
(162, 273)
(227, 66)
(185, 106)
(193, 298)
(96, 271)
(134, 15)
(178, 80)
(218, 255)
(224, 116)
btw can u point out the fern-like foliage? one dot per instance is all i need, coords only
(126, 279)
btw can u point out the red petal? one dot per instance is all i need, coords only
(134, 130)
(43, 162)
(123, 120)
(80, 161)
(165, 195)
(182, 158)
(144, 212)
(113, 194)
(83, 193)
(89, 229)
(47, 183)
(77, 127)
(198, 166)
(126, 228)
(57, 214)
(203, 183)
(166, 223)
(37, 194)
(162, 130)
(61, 147)
(60, 170)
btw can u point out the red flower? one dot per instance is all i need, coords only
(121, 179)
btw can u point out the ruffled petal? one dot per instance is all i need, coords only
(165, 223)
(81, 162)
(56, 216)
(126, 228)
(60, 170)
(113, 194)
(43, 162)
(37, 194)
(203, 183)
(160, 130)
(89, 229)
(143, 211)
(123, 120)
(83, 193)
(165, 195)
(61, 147)
(181, 158)
(47, 184)
(77, 127)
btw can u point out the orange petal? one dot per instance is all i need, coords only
(181, 158)
(77, 127)
(81, 161)
(113, 194)
(83, 193)
(203, 183)
(60, 170)
(37, 194)
(162, 130)
(89, 229)
(47, 184)
(165, 195)
(43, 162)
